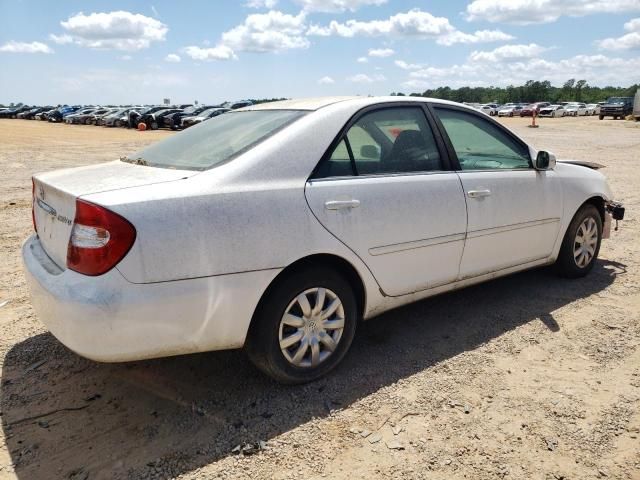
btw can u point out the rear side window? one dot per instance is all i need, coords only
(481, 145)
(389, 140)
(217, 140)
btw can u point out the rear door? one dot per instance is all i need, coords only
(513, 210)
(386, 191)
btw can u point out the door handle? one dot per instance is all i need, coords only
(340, 204)
(478, 193)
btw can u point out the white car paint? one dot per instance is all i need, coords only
(209, 243)
(509, 110)
(490, 109)
(553, 111)
(575, 109)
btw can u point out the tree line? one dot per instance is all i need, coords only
(531, 91)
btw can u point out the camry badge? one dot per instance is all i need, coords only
(47, 208)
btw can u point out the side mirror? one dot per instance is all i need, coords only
(545, 161)
(370, 151)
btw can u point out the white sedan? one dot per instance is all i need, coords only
(509, 110)
(552, 111)
(490, 109)
(279, 226)
(593, 109)
(575, 109)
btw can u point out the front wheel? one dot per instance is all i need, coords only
(581, 243)
(304, 327)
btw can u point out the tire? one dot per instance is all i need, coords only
(569, 263)
(154, 125)
(267, 327)
(600, 117)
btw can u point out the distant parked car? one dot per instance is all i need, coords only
(80, 116)
(593, 109)
(490, 109)
(135, 114)
(173, 120)
(238, 104)
(28, 114)
(509, 110)
(636, 106)
(187, 122)
(154, 120)
(552, 111)
(13, 112)
(575, 109)
(528, 110)
(115, 118)
(91, 118)
(616, 107)
(60, 114)
(97, 117)
(44, 115)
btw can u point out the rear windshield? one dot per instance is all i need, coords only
(215, 141)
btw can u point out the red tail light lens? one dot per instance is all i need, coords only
(99, 239)
(33, 204)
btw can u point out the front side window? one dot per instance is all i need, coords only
(481, 145)
(390, 140)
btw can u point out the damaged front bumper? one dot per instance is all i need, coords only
(613, 211)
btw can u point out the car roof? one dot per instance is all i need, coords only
(315, 103)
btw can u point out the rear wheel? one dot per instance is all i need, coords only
(154, 125)
(304, 326)
(581, 243)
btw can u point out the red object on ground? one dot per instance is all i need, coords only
(142, 126)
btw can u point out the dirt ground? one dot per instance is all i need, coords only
(526, 377)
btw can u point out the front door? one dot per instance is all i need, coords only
(386, 192)
(513, 210)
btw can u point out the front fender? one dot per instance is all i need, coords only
(579, 184)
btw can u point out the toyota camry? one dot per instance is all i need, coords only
(278, 227)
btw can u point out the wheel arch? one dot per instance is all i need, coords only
(339, 264)
(598, 202)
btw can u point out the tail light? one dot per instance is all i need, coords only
(99, 239)
(33, 204)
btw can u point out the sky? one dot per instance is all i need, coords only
(132, 51)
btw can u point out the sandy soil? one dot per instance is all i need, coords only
(526, 377)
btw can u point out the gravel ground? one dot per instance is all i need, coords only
(526, 377)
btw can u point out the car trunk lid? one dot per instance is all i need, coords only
(55, 194)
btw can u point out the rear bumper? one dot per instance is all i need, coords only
(109, 319)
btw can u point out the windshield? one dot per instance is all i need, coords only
(617, 100)
(215, 141)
